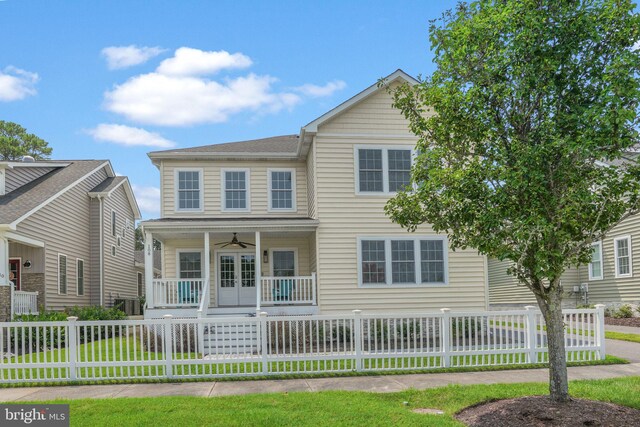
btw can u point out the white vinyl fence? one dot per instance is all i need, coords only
(277, 345)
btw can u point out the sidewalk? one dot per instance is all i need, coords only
(379, 384)
(623, 329)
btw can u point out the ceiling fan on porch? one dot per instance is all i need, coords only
(235, 242)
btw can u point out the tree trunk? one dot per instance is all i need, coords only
(552, 312)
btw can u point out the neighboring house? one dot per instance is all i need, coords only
(139, 264)
(612, 278)
(67, 233)
(313, 206)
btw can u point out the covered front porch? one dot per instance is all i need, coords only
(215, 267)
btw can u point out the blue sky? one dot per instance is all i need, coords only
(117, 79)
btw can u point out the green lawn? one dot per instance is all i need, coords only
(622, 336)
(328, 408)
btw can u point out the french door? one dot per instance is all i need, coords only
(236, 279)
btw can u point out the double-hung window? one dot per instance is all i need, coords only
(62, 274)
(622, 254)
(402, 261)
(190, 264)
(282, 189)
(235, 186)
(189, 190)
(595, 266)
(383, 170)
(284, 262)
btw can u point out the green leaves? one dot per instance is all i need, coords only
(15, 143)
(529, 101)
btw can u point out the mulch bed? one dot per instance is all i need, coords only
(541, 411)
(630, 321)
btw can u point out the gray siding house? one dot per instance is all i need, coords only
(67, 233)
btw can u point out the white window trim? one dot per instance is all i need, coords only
(66, 264)
(247, 178)
(295, 259)
(114, 223)
(293, 190)
(186, 250)
(176, 189)
(385, 167)
(417, 262)
(615, 256)
(78, 277)
(601, 276)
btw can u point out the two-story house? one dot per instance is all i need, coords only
(66, 235)
(295, 224)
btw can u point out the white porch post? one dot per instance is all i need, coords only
(4, 260)
(258, 271)
(148, 269)
(207, 268)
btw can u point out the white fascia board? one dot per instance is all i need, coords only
(58, 194)
(398, 74)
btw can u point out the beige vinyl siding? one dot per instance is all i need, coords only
(19, 176)
(120, 278)
(300, 243)
(92, 285)
(258, 187)
(345, 216)
(35, 255)
(311, 185)
(64, 227)
(610, 288)
(504, 288)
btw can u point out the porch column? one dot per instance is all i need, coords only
(207, 268)
(258, 271)
(4, 260)
(148, 269)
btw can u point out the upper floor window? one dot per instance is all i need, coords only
(382, 170)
(282, 189)
(622, 254)
(595, 266)
(235, 194)
(189, 190)
(403, 261)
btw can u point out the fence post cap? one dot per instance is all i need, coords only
(357, 312)
(72, 318)
(600, 306)
(530, 307)
(263, 314)
(167, 316)
(445, 310)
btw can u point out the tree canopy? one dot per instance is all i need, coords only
(521, 131)
(16, 142)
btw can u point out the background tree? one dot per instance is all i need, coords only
(140, 241)
(16, 142)
(528, 100)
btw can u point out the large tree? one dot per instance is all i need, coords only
(16, 142)
(519, 131)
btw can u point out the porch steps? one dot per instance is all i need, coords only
(230, 338)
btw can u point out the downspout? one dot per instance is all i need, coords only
(101, 281)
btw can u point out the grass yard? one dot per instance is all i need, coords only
(329, 408)
(622, 336)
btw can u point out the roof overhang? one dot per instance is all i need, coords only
(128, 191)
(179, 226)
(156, 157)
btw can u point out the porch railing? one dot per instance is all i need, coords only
(177, 292)
(25, 302)
(298, 290)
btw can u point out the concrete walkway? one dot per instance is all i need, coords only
(379, 384)
(623, 329)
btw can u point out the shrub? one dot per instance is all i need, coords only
(95, 312)
(407, 330)
(625, 311)
(465, 327)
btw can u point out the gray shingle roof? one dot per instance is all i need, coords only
(108, 184)
(23, 199)
(285, 144)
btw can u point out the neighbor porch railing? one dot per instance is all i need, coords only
(177, 292)
(298, 290)
(25, 302)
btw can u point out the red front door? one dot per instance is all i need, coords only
(14, 267)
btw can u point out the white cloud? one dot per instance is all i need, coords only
(160, 99)
(148, 199)
(195, 62)
(316, 91)
(129, 136)
(16, 84)
(127, 56)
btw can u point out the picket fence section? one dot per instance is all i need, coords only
(279, 345)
